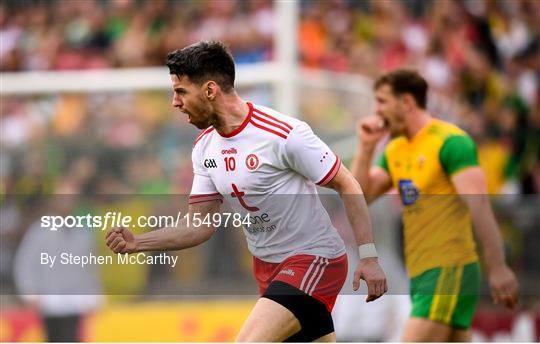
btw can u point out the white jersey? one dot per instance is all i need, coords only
(268, 167)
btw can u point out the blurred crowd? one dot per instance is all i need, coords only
(86, 34)
(481, 58)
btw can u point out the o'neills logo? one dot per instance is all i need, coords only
(229, 151)
(289, 272)
(252, 162)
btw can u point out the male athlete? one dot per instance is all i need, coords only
(433, 164)
(260, 161)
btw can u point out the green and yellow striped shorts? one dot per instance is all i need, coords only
(447, 294)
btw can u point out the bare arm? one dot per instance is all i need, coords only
(355, 205)
(121, 240)
(471, 185)
(375, 181)
(358, 215)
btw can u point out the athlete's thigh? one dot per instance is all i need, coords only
(268, 322)
(329, 338)
(424, 330)
(461, 335)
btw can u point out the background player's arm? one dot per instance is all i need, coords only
(374, 180)
(121, 240)
(470, 183)
(357, 212)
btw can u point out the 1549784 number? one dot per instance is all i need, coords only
(217, 219)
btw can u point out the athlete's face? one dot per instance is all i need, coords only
(391, 110)
(192, 101)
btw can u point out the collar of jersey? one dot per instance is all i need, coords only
(242, 126)
(422, 131)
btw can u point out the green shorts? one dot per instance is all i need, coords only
(447, 294)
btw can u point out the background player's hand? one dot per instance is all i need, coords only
(370, 130)
(504, 286)
(369, 270)
(121, 240)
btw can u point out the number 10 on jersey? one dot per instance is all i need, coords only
(230, 163)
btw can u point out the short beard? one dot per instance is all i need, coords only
(208, 119)
(201, 126)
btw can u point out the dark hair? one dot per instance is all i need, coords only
(405, 81)
(203, 61)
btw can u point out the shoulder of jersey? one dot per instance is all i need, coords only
(202, 134)
(273, 122)
(444, 130)
(439, 129)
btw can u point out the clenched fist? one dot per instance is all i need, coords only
(370, 130)
(121, 240)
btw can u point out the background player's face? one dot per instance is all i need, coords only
(391, 110)
(190, 99)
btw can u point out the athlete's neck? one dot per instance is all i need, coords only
(231, 112)
(416, 122)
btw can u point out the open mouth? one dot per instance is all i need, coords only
(382, 123)
(188, 116)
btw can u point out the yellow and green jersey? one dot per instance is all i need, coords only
(438, 227)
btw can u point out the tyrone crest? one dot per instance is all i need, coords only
(252, 162)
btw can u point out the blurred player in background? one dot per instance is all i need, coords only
(248, 153)
(425, 159)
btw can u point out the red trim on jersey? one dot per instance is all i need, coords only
(268, 130)
(272, 117)
(201, 134)
(205, 198)
(242, 126)
(271, 123)
(331, 174)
